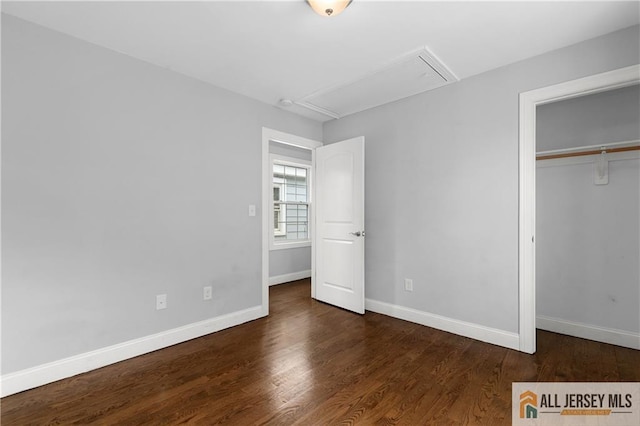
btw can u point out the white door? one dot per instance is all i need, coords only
(339, 232)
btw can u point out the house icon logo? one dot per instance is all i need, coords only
(528, 405)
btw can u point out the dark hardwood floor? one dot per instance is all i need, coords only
(309, 363)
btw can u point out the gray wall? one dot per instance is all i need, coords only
(588, 236)
(442, 184)
(287, 261)
(120, 181)
(605, 117)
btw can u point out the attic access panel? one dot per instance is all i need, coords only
(414, 73)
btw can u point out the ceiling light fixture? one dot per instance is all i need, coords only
(328, 7)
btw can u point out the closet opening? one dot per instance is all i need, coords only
(587, 210)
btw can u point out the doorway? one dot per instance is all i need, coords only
(333, 220)
(283, 145)
(587, 210)
(529, 101)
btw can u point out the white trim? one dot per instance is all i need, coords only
(290, 161)
(46, 373)
(613, 336)
(527, 181)
(286, 245)
(527, 226)
(269, 135)
(314, 248)
(312, 107)
(292, 276)
(462, 328)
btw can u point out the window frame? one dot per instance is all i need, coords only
(277, 230)
(293, 162)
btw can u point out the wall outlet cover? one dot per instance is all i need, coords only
(207, 293)
(161, 301)
(408, 284)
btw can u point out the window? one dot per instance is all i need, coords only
(291, 202)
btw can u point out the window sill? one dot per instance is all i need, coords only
(290, 245)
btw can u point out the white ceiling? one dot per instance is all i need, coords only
(268, 50)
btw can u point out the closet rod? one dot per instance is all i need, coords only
(591, 152)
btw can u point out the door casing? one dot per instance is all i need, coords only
(269, 135)
(610, 80)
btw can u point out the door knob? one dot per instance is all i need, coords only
(357, 233)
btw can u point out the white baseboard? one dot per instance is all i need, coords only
(462, 328)
(285, 278)
(587, 331)
(46, 373)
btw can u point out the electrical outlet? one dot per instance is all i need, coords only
(207, 293)
(161, 301)
(408, 284)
